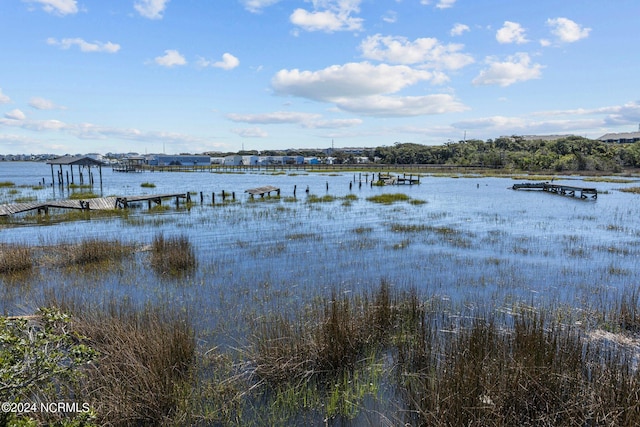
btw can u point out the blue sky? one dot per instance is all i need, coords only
(81, 76)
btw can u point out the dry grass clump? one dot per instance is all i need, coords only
(146, 358)
(173, 255)
(16, 259)
(95, 251)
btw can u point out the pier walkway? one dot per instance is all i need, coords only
(101, 203)
(564, 190)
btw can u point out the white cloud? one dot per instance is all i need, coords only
(250, 132)
(566, 30)
(511, 32)
(84, 46)
(4, 99)
(401, 106)
(441, 4)
(44, 104)
(445, 4)
(15, 115)
(277, 117)
(228, 62)
(349, 80)
(57, 7)
(151, 9)
(390, 17)
(458, 29)
(428, 51)
(89, 131)
(329, 16)
(517, 68)
(256, 6)
(171, 58)
(307, 120)
(364, 88)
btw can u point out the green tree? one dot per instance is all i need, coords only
(40, 361)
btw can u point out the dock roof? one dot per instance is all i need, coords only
(75, 160)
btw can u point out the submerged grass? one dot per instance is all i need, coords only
(634, 190)
(83, 195)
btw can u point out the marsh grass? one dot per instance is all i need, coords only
(79, 186)
(312, 198)
(407, 228)
(148, 185)
(172, 256)
(634, 190)
(7, 184)
(93, 252)
(145, 365)
(83, 195)
(608, 179)
(389, 198)
(15, 260)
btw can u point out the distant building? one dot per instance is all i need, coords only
(181, 160)
(620, 138)
(233, 160)
(250, 160)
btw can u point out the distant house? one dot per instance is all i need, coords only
(620, 138)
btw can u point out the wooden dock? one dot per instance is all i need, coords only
(564, 190)
(388, 179)
(96, 204)
(261, 191)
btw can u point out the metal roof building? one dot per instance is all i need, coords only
(620, 138)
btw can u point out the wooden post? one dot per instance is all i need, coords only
(294, 191)
(233, 195)
(201, 197)
(213, 198)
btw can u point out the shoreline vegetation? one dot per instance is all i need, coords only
(384, 355)
(571, 154)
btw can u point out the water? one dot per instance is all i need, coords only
(474, 241)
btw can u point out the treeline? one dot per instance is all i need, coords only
(565, 154)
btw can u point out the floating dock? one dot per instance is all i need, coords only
(564, 190)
